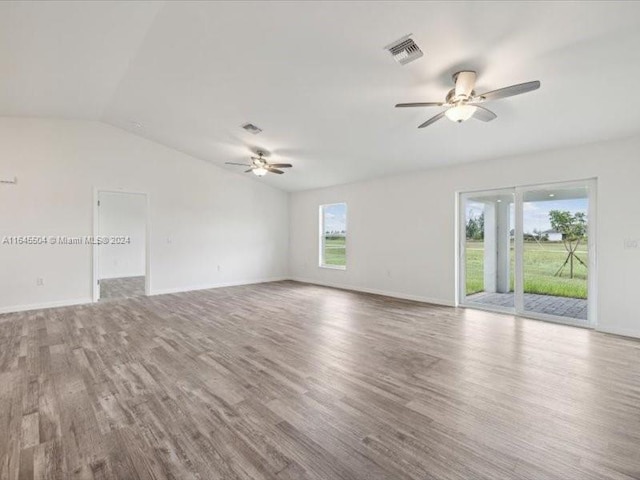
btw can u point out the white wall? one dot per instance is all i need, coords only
(208, 227)
(122, 215)
(418, 261)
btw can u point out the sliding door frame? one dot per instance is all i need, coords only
(462, 247)
(592, 293)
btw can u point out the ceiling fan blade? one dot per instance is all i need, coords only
(419, 104)
(234, 163)
(281, 165)
(510, 91)
(275, 170)
(465, 81)
(432, 120)
(484, 114)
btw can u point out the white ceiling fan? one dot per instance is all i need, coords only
(462, 102)
(260, 167)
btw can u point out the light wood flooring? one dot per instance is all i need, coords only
(124, 287)
(293, 381)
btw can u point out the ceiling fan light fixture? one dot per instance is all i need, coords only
(260, 171)
(460, 113)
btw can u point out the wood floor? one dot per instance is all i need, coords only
(124, 287)
(293, 381)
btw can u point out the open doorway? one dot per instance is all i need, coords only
(120, 247)
(531, 251)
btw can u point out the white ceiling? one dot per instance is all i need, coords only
(314, 76)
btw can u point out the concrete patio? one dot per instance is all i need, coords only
(547, 304)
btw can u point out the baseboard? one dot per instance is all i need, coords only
(40, 306)
(385, 293)
(192, 288)
(123, 276)
(625, 332)
(84, 301)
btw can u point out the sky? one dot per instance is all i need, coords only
(536, 214)
(335, 217)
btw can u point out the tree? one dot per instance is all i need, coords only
(573, 228)
(475, 227)
(540, 236)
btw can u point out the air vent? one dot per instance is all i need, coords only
(404, 50)
(251, 128)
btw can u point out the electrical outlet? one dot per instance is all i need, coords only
(218, 267)
(631, 243)
(39, 282)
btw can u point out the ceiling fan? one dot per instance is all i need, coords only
(462, 102)
(260, 167)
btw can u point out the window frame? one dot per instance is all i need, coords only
(321, 236)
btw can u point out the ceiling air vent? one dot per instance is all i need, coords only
(251, 128)
(404, 50)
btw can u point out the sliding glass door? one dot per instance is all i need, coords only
(554, 241)
(530, 251)
(487, 233)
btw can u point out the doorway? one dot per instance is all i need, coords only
(530, 251)
(120, 245)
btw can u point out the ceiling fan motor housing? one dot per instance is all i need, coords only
(259, 161)
(452, 99)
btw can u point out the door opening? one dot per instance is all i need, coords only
(120, 245)
(530, 251)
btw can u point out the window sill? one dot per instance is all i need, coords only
(333, 267)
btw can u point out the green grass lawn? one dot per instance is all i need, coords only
(541, 261)
(335, 251)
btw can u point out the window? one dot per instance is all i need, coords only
(333, 235)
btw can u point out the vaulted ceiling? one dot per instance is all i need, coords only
(315, 77)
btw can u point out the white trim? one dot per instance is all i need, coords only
(374, 291)
(489, 308)
(572, 322)
(120, 276)
(625, 332)
(576, 182)
(41, 306)
(592, 252)
(95, 291)
(518, 252)
(461, 249)
(209, 286)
